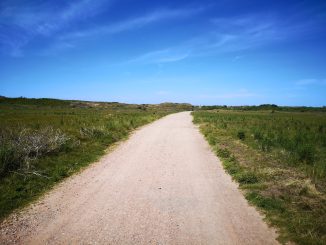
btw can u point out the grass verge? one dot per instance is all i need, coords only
(44, 141)
(289, 192)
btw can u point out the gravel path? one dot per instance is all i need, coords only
(162, 186)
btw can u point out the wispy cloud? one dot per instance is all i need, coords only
(232, 34)
(161, 56)
(20, 24)
(134, 23)
(84, 9)
(264, 27)
(245, 32)
(225, 35)
(34, 21)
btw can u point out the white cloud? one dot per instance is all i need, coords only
(133, 23)
(240, 33)
(161, 56)
(21, 24)
(227, 35)
(84, 9)
(250, 31)
(35, 21)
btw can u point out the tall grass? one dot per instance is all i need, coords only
(43, 141)
(299, 138)
(278, 159)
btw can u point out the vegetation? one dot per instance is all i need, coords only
(43, 141)
(264, 107)
(278, 159)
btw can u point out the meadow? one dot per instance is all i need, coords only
(278, 159)
(43, 141)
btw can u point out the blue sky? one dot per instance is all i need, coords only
(203, 52)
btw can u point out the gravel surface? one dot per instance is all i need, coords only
(161, 186)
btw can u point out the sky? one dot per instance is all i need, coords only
(221, 52)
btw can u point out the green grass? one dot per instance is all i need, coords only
(278, 159)
(43, 141)
(264, 107)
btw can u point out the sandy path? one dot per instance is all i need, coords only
(162, 186)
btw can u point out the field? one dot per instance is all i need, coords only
(43, 141)
(278, 159)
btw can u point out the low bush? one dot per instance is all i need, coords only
(19, 149)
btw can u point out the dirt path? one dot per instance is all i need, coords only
(162, 186)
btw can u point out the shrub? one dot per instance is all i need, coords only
(19, 149)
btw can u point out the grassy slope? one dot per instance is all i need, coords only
(279, 161)
(89, 127)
